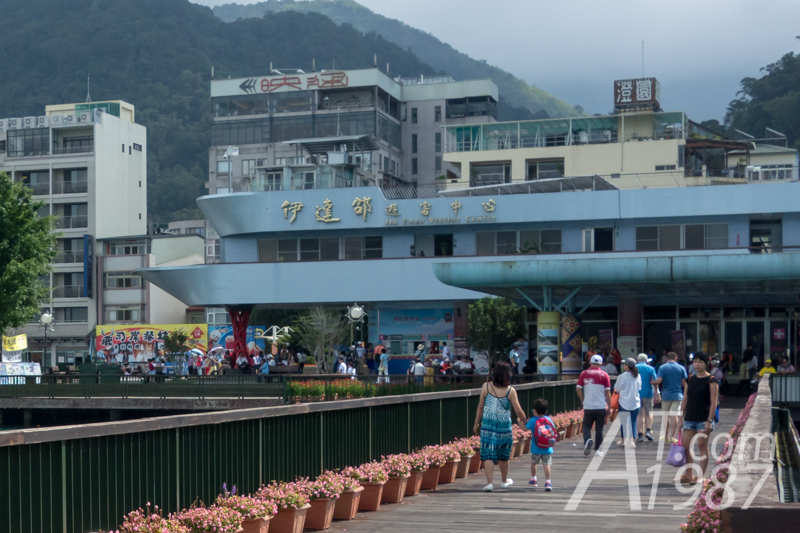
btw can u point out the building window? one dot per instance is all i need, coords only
(137, 147)
(664, 167)
(413, 115)
(27, 142)
(437, 113)
(373, 247)
(123, 313)
(539, 170)
(122, 280)
(223, 166)
(414, 165)
(127, 248)
(518, 242)
(682, 237)
(438, 163)
(490, 174)
(598, 239)
(248, 166)
(386, 164)
(438, 142)
(413, 143)
(73, 314)
(217, 316)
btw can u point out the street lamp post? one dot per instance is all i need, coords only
(229, 154)
(47, 322)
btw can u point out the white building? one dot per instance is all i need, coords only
(88, 162)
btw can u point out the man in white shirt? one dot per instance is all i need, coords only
(351, 370)
(610, 368)
(341, 368)
(270, 360)
(445, 351)
(514, 356)
(419, 371)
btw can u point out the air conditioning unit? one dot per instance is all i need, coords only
(14, 123)
(42, 122)
(55, 120)
(3, 125)
(69, 120)
(86, 117)
(29, 122)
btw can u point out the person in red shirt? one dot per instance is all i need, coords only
(594, 391)
(617, 358)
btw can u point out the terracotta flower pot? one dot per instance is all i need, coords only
(431, 478)
(414, 482)
(395, 489)
(347, 505)
(475, 464)
(526, 445)
(516, 448)
(448, 473)
(259, 525)
(320, 515)
(289, 520)
(371, 497)
(463, 466)
(568, 432)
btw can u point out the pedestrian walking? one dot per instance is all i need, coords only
(493, 423)
(383, 369)
(699, 406)
(543, 436)
(514, 358)
(628, 385)
(418, 370)
(594, 391)
(671, 376)
(647, 396)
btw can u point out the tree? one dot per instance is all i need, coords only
(27, 248)
(494, 325)
(175, 343)
(319, 332)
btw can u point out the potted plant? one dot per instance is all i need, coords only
(292, 505)
(436, 460)
(464, 447)
(372, 477)
(322, 494)
(347, 505)
(398, 468)
(418, 463)
(256, 513)
(150, 521)
(475, 464)
(209, 520)
(526, 443)
(516, 447)
(452, 460)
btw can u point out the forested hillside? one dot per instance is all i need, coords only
(157, 55)
(770, 101)
(428, 48)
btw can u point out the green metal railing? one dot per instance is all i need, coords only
(77, 479)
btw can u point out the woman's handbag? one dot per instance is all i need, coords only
(615, 400)
(676, 456)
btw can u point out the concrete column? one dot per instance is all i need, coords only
(630, 317)
(27, 418)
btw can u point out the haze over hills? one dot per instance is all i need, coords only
(428, 48)
(157, 55)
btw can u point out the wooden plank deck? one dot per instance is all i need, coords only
(463, 507)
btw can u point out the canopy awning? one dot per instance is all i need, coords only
(322, 145)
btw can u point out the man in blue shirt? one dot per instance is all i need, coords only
(671, 377)
(645, 421)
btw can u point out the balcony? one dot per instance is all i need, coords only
(69, 256)
(70, 187)
(39, 189)
(67, 150)
(72, 222)
(70, 291)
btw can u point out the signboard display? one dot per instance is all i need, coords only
(548, 341)
(140, 342)
(13, 348)
(571, 344)
(406, 328)
(222, 336)
(636, 92)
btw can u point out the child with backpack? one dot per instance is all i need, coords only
(544, 437)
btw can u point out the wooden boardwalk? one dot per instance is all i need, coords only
(463, 507)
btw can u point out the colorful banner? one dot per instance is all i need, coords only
(407, 328)
(605, 341)
(15, 343)
(679, 343)
(222, 336)
(628, 346)
(548, 325)
(140, 342)
(571, 343)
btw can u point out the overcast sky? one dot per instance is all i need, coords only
(574, 49)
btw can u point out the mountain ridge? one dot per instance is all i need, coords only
(439, 55)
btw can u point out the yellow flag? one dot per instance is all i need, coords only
(15, 343)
